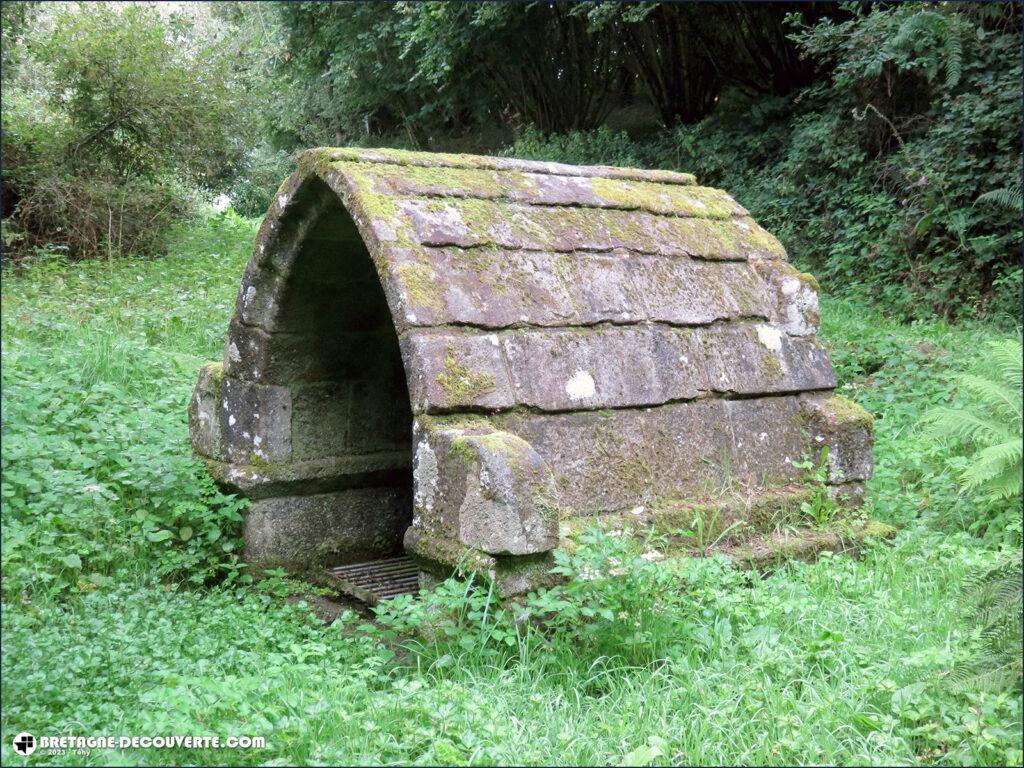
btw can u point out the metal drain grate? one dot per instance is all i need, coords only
(378, 579)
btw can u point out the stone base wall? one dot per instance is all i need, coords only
(488, 489)
(325, 529)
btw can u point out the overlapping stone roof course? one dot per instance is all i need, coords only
(522, 284)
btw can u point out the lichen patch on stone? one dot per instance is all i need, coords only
(580, 386)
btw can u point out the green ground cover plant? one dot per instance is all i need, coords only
(112, 625)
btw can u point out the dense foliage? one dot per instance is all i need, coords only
(111, 117)
(98, 364)
(362, 70)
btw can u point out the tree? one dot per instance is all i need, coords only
(110, 113)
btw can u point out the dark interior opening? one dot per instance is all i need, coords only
(337, 346)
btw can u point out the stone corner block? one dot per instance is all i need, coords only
(794, 297)
(847, 430)
(203, 409)
(486, 489)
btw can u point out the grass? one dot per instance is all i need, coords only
(839, 661)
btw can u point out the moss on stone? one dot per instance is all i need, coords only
(876, 529)
(455, 421)
(763, 552)
(435, 550)
(315, 161)
(462, 450)
(772, 365)
(810, 280)
(844, 411)
(460, 384)
(421, 286)
(699, 202)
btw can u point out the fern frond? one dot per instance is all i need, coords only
(995, 395)
(992, 674)
(1006, 356)
(923, 21)
(990, 420)
(1009, 198)
(964, 425)
(991, 463)
(994, 600)
(1006, 485)
(954, 57)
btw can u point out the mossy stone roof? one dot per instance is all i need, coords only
(561, 288)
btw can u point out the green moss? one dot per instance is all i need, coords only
(435, 550)
(876, 529)
(215, 371)
(763, 242)
(455, 421)
(845, 411)
(513, 449)
(460, 384)
(758, 511)
(421, 286)
(261, 465)
(315, 161)
(808, 279)
(669, 199)
(462, 450)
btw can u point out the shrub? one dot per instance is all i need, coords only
(599, 147)
(256, 179)
(110, 120)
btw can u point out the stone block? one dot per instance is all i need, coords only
(691, 292)
(600, 287)
(794, 297)
(760, 359)
(469, 223)
(566, 370)
(203, 413)
(255, 421)
(486, 288)
(455, 371)
(320, 415)
(847, 430)
(487, 489)
(326, 529)
(767, 438)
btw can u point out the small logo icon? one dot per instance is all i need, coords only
(25, 744)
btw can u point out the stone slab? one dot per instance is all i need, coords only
(255, 421)
(327, 529)
(468, 223)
